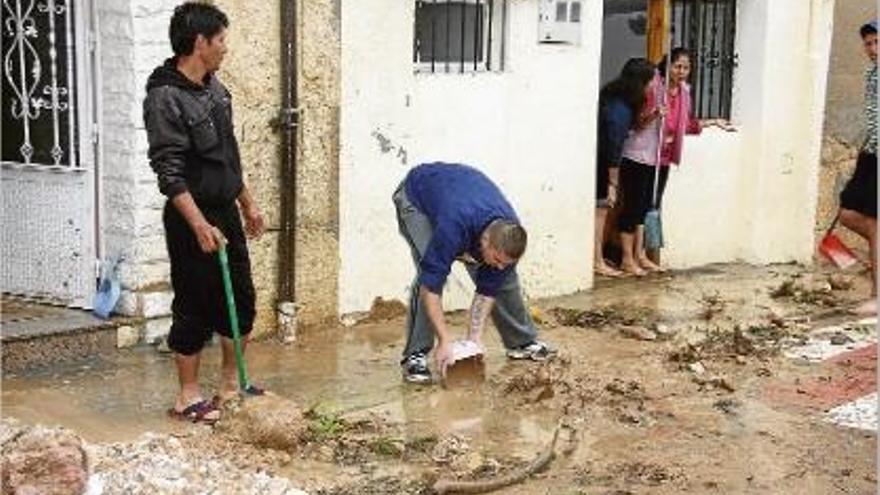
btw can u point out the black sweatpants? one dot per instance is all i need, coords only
(860, 193)
(637, 187)
(199, 306)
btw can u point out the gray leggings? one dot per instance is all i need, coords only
(510, 315)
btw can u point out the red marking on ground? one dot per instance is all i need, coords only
(838, 380)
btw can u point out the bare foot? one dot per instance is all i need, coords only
(601, 268)
(867, 308)
(632, 268)
(649, 265)
(227, 391)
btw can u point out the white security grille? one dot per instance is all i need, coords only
(48, 172)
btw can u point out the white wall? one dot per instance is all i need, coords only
(531, 128)
(751, 195)
(134, 39)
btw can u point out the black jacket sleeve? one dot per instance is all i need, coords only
(168, 139)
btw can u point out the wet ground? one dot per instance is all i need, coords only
(679, 383)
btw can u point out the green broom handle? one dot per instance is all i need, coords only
(233, 317)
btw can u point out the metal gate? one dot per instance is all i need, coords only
(49, 168)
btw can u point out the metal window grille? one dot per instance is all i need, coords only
(708, 29)
(459, 36)
(39, 102)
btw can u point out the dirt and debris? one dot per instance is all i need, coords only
(713, 304)
(598, 318)
(194, 464)
(266, 421)
(815, 291)
(517, 475)
(647, 413)
(385, 309)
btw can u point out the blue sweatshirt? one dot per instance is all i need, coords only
(460, 202)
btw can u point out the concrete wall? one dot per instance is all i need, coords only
(751, 195)
(530, 128)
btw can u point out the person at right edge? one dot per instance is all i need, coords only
(858, 200)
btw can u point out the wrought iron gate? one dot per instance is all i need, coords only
(49, 140)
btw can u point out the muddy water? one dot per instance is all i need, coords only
(643, 425)
(342, 370)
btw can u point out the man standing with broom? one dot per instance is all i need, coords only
(858, 201)
(193, 150)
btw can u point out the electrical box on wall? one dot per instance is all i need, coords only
(559, 21)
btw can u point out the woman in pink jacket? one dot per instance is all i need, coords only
(640, 155)
(679, 119)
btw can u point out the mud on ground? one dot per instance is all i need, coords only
(660, 387)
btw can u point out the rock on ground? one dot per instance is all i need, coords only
(40, 460)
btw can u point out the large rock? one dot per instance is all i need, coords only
(265, 421)
(46, 461)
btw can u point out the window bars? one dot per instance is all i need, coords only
(707, 28)
(459, 35)
(39, 78)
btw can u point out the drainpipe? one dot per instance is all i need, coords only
(287, 122)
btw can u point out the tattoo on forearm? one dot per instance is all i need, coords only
(479, 311)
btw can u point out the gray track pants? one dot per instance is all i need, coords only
(510, 315)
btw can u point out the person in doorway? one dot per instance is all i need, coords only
(679, 119)
(619, 101)
(194, 153)
(858, 200)
(448, 212)
(669, 103)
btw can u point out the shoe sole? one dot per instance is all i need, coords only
(419, 380)
(530, 357)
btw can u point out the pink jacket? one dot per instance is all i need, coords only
(679, 121)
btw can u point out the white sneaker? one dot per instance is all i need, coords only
(536, 351)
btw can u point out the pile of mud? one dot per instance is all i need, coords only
(267, 421)
(813, 291)
(742, 341)
(613, 315)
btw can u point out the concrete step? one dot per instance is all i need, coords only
(35, 335)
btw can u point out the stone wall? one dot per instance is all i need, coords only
(317, 193)
(252, 72)
(838, 163)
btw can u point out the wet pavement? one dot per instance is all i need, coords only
(646, 421)
(343, 370)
